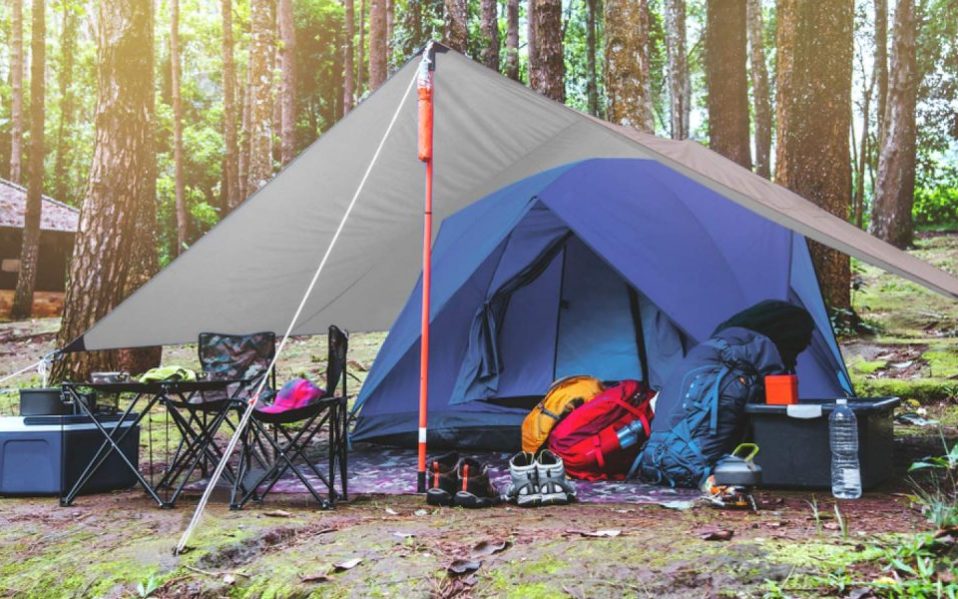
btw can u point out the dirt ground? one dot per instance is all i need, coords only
(797, 544)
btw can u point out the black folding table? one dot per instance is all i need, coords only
(197, 443)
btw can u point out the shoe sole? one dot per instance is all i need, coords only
(471, 501)
(554, 499)
(438, 497)
(529, 500)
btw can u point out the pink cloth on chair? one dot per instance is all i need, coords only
(298, 393)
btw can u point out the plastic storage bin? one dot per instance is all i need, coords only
(793, 441)
(45, 455)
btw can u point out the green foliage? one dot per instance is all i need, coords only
(936, 194)
(148, 587)
(937, 490)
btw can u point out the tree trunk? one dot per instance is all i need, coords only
(858, 200)
(531, 56)
(547, 72)
(592, 83)
(457, 26)
(813, 107)
(16, 80)
(895, 189)
(115, 241)
(726, 57)
(680, 89)
(261, 95)
(361, 63)
(231, 162)
(30, 248)
(881, 61)
(377, 43)
(490, 34)
(627, 63)
(390, 25)
(68, 48)
(761, 100)
(348, 68)
(179, 184)
(287, 34)
(243, 140)
(512, 39)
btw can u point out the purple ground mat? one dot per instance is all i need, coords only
(375, 469)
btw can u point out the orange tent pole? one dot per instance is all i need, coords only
(425, 89)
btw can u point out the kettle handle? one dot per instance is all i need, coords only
(752, 447)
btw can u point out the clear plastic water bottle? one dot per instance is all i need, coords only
(843, 438)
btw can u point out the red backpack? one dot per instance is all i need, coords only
(588, 440)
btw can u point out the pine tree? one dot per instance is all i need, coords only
(490, 34)
(115, 247)
(680, 89)
(231, 170)
(287, 56)
(30, 249)
(260, 95)
(627, 83)
(179, 183)
(512, 39)
(16, 84)
(726, 57)
(895, 186)
(813, 112)
(761, 100)
(377, 43)
(547, 71)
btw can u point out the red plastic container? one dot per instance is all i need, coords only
(781, 389)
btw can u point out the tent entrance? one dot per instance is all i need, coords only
(566, 312)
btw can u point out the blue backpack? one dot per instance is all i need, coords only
(699, 414)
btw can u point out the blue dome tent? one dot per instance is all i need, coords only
(610, 267)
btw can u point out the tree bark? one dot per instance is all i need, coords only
(243, 141)
(179, 184)
(287, 55)
(16, 81)
(261, 94)
(531, 56)
(348, 68)
(726, 57)
(490, 34)
(627, 83)
(592, 83)
(881, 61)
(547, 72)
(30, 248)
(377, 43)
(390, 24)
(361, 62)
(457, 26)
(68, 47)
(813, 108)
(761, 100)
(680, 89)
(512, 39)
(115, 248)
(895, 188)
(231, 162)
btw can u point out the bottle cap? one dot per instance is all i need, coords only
(841, 402)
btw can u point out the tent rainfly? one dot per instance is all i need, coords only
(250, 271)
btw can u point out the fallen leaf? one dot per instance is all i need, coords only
(391, 511)
(403, 535)
(484, 548)
(470, 580)
(420, 512)
(229, 579)
(601, 533)
(315, 578)
(776, 524)
(348, 564)
(463, 566)
(277, 514)
(830, 526)
(715, 534)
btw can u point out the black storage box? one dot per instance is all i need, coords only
(42, 402)
(45, 455)
(793, 441)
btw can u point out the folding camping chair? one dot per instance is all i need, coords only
(242, 360)
(293, 432)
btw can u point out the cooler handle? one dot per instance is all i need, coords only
(804, 411)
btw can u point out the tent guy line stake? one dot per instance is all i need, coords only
(251, 404)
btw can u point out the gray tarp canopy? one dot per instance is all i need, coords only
(250, 272)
